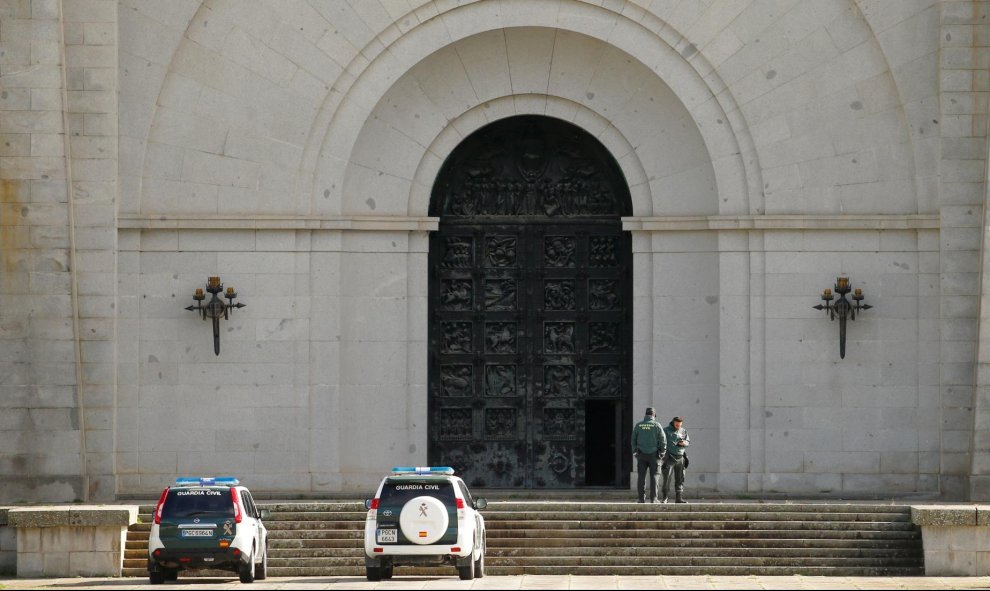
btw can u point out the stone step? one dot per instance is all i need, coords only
(616, 516)
(494, 534)
(446, 572)
(689, 551)
(355, 509)
(275, 525)
(622, 561)
(704, 542)
(288, 553)
(753, 524)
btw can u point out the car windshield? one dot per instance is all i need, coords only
(397, 492)
(197, 501)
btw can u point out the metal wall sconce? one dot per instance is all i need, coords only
(216, 308)
(842, 308)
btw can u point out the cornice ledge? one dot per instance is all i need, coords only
(783, 222)
(275, 222)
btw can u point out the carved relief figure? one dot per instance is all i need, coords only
(558, 380)
(559, 337)
(500, 423)
(605, 380)
(500, 251)
(602, 252)
(604, 337)
(456, 380)
(500, 294)
(559, 251)
(457, 252)
(455, 423)
(500, 380)
(558, 295)
(455, 294)
(558, 423)
(501, 337)
(602, 294)
(455, 337)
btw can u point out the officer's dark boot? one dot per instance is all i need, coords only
(679, 498)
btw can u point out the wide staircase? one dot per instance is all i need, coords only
(603, 538)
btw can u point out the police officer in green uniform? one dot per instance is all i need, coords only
(648, 447)
(675, 459)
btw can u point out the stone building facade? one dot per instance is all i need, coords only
(292, 148)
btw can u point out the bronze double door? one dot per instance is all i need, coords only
(530, 342)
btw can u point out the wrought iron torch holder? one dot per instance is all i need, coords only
(216, 308)
(842, 308)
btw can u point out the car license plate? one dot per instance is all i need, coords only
(388, 536)
(197, 533)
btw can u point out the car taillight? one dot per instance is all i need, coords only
(460, 503)
(160, 506)
(374, 503)
(238, 514)
(158, 552)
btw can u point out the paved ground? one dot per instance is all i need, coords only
(520, 582)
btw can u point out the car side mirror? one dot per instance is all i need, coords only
(265, 513)
(480, 503)
(367, 503)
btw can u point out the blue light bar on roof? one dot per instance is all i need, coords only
(423, 470)
(207, 481)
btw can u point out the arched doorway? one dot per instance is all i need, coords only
(530, 304)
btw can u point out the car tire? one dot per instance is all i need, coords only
(466, 572)
(171, 574)
(156, 577)
(374, 573)
(479, 565)
(246, 571)
(387, 572)
(261, 570)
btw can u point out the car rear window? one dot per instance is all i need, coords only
(189, 502)
(399, 492)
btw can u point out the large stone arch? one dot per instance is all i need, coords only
(351, 104)
(415, 125)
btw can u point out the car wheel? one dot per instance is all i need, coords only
(374, 573)
(156, 577)
(479, 565)
(171, 574)
(387, 572)
(261, 571)
(246, 571)
(466, 572)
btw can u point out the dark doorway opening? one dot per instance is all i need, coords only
(602, 428)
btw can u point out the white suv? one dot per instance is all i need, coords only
(424, 516)
(207, 523)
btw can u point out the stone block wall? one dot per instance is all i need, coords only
(768, 148)
(70, 551)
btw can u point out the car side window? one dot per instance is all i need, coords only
(249, 505)
(466, 494)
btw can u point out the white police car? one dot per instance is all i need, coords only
(207, 523)
(424, 516)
